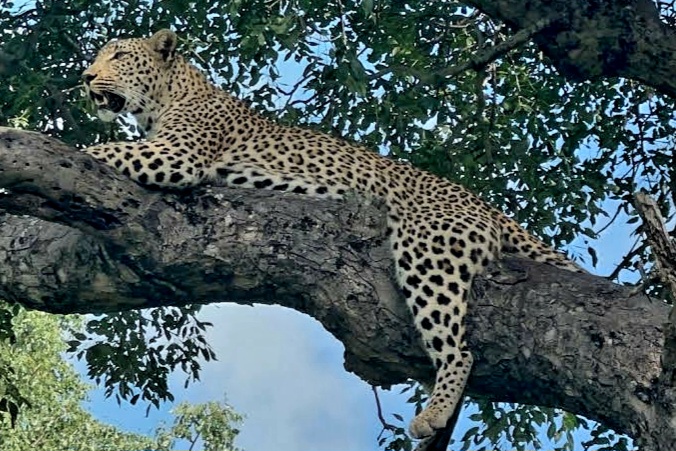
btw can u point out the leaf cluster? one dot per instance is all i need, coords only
(134, 353)
(52, 416)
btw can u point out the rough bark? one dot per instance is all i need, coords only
(77, 237)
(597, 38)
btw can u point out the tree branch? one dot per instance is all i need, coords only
(486, 57)
(77, 237)
(478, 61)
(664, 250)
(597, 39)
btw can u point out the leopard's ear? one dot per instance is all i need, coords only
(164, 43)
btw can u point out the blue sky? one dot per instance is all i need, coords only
(281, 369)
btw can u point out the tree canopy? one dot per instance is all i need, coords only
(501, 97)
(563, 156)
(52, 416)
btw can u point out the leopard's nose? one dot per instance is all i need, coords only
(87, 78)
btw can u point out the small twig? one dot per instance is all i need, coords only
(386, 426)
(497, 51)
(612, 220)
(483, 59)
(294, 89)
(646, 280)
(645, 277)
(342, 22)
(58, 96)
(76, 48)
(624, 264)
(194, 441)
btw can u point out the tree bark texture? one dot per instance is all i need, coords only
(77, 237)
(592, 39)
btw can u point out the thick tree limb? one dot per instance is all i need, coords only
(662, 245)
(598, 38)
(664, 250)
(76, 237)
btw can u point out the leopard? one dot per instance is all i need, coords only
(441, 234)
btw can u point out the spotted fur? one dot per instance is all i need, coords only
(442, 235)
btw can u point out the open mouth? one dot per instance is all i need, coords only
(108, 101)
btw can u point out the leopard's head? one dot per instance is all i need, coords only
(130, 75)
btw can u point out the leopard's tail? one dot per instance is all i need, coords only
(516, 240)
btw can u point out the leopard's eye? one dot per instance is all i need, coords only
(119, 55)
